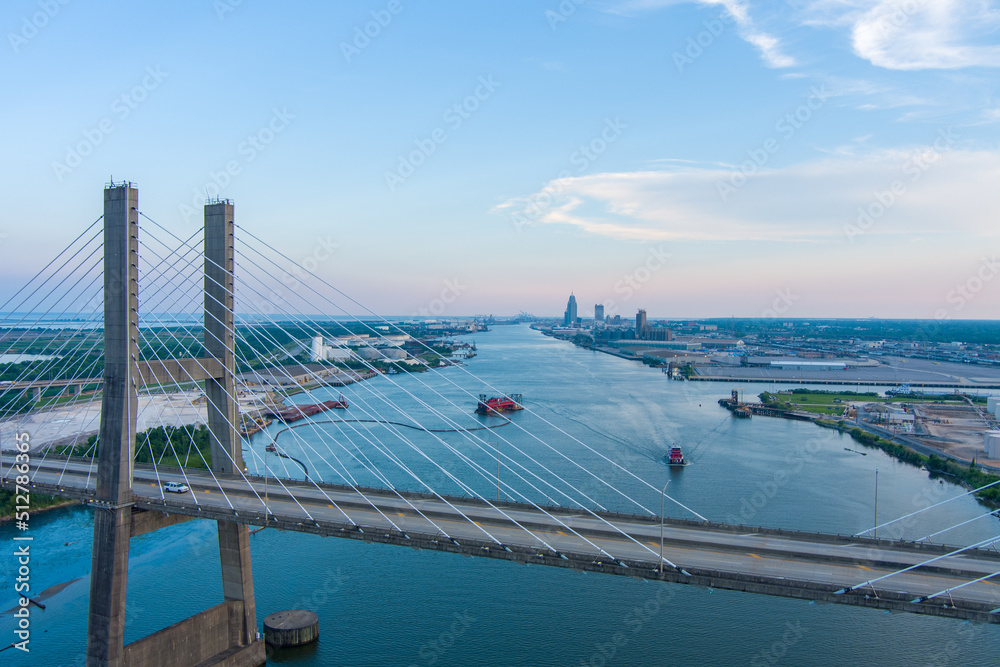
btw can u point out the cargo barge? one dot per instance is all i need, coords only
(294, 413)
(498, 404)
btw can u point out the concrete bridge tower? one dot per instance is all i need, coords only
(225, 634)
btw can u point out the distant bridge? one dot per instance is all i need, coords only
(73, 386)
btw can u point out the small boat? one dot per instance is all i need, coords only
(675, 457)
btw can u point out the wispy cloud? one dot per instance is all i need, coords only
(767, 44)
(810, 201)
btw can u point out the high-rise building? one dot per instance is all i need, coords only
(599, 313)
(569, 317)
(640, 324)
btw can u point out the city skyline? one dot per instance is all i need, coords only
(707, 158)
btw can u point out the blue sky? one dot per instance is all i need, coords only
(804, 158)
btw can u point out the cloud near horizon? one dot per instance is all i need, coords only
(935, 192)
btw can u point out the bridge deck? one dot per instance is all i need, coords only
(801, 565)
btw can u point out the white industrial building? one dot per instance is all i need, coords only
(319, 351)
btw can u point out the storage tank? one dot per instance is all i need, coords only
(316, 350)
(992, 403)
(992, 442)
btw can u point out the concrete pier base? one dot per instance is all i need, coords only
(201, 640)
(295, 627)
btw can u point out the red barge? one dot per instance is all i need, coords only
(294, 413)
(498, 404)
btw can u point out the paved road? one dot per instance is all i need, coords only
(778, 556)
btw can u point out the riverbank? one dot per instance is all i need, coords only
(38, 503)
(971, 476)
(839, 382)
(826, 407)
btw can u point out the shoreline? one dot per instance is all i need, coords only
(4, 518)
(845, 383)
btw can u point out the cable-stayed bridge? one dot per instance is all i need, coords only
(176, 335)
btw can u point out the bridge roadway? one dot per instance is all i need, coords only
(810, 566)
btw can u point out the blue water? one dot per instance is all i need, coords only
(385, 605)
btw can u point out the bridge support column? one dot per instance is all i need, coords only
(227, 633)
(224, 415)
(113, 511)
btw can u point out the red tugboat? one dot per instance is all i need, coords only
(498, 404)
(676, 457)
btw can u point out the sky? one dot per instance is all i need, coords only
(695, 158)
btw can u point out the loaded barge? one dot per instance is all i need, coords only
(294, 413)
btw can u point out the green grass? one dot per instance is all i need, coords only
(825, 402)
(822, 403)
(37, 501)
(174, 446)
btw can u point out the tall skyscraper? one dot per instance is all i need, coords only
(640, 324)
(599, 313)
(569, 318)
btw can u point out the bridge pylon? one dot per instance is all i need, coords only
(226, 634)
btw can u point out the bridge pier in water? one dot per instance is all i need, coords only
(225, 634)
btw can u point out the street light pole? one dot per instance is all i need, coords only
(498, 470)
(876, 503)
(266, 509)
(663, 499)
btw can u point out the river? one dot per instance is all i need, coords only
(386, 605)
